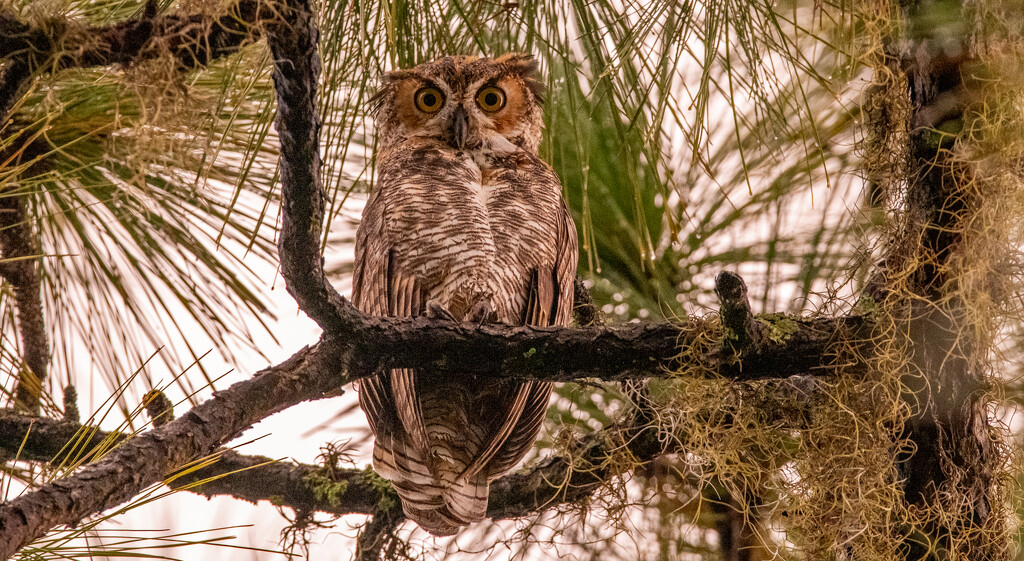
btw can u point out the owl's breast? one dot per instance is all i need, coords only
(469, 229)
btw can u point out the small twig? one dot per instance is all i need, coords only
(158, 407)
(71, 413)
(740, 331)
(583, 308)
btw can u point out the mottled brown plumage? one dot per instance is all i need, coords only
(464, 218)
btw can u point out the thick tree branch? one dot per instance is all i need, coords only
(249, 478)
(436, 345)
(563, 354)
(40, 439)
(301, 487)
(20, 250)
(293, 40)
(554, 481)
(952, 458)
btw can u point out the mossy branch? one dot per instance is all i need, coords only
(331, 489)
(192, 39)
(952, 458)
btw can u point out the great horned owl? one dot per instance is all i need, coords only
(465, 221)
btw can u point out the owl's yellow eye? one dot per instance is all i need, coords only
(491, 98)
(429, 100)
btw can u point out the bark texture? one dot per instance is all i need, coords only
(293, 40)
(19, 248)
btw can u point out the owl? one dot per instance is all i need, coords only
(465, 222)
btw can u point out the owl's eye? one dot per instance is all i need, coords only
(429, 100)
(491, 98)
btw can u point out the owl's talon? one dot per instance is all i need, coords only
(436, 311)
(482, 313)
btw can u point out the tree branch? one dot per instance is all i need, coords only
(20, 250)
(335, 490)
(573, 477)
(249, 478)
(293, 41)
(566, 354)
(952, 459)
(193, 39)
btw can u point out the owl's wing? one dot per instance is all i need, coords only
(549, 302)
(405, 298)
(380, 289)
(370, 295)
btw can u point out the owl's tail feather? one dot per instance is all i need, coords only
(459, 506)
(403, 465)
(466, 499)
(440, 505)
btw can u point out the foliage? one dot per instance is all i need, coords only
(147, 187)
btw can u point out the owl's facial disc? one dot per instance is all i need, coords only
(468, 103)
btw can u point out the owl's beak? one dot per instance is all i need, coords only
(460, 127)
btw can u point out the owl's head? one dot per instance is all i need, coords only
(467, 102)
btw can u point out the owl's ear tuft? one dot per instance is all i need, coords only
(525, 66)
(387, 81)
(377, 101)
(393, 76)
